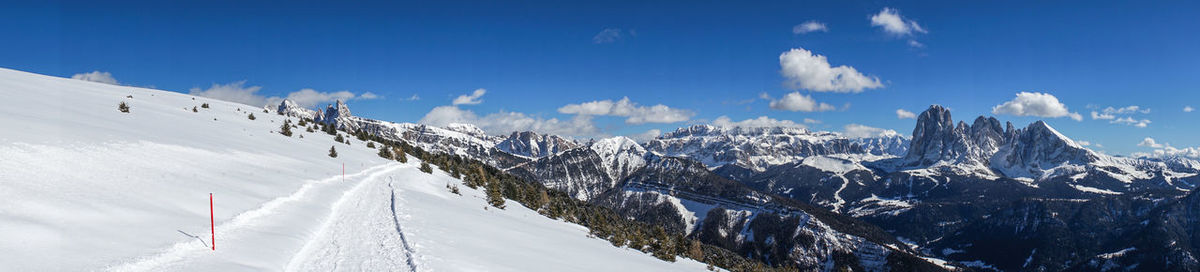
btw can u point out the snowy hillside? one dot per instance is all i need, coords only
(87, 187)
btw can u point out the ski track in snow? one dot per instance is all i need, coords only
(353, 237)
(408, 251)
(171, 257)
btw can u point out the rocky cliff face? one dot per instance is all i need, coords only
(534, 145)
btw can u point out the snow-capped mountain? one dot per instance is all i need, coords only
(753, 148)
(289, 108)
(534, 145)
(338, 115)
(1035, 153)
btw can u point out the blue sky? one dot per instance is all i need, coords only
(540, 61)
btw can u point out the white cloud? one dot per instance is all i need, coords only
(1036, 104)
(804, 70)
(1125, 110)
(634, 113)
(470, 99)
(506, 122)
(608, 35)
(1188, 109)
(310, 98)
(1083, 143)
(1150, 142)
(810, 26)
(233, 92)
(1165, 150)
(891, 22)
(1102, 116)
(795, 101)
(811, 121)
(861, 131)
(96, 76)
(240, 93)
(1114, 115)
(903, 114)
(414, 97)
(645, 136)
(1132, 122)
(761, 121)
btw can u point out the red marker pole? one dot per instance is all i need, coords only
(343, 172)
(212, 221)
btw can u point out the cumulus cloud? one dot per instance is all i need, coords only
(1188, 109)
(233, 92)
(796, 101)
(810, 26)
(608, 35)
(890, 21)
(1172, 152)
(861, 131)
(1150, 142)
(240, 93)
(470, 99)
(1165, 150)
(506, 122)
(96, 76)
(310, 98)
(903, 114)
(761, 121)
(645, 136)
(802, 69)
(1036, 104)
(634, 113)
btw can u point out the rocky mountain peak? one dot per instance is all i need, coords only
(532, 144)
(290, 108)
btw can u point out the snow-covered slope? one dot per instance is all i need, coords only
(86, 187)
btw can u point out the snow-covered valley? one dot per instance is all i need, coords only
(87, 187)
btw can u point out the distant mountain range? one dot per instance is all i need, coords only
(820, 199)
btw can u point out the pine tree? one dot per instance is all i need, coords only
(339, 138)
(383, 153)
(696, 251)
(308, 129)
(543, 198)
(286, 129)
(205, 105)
(400, 156)
(332, 152)
(425, 168)
(494, 197)
(372, 145)
(123, 107)
(194, 109)
(251, 116)
(303, 122)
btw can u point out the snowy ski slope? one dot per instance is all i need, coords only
(85, 187)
